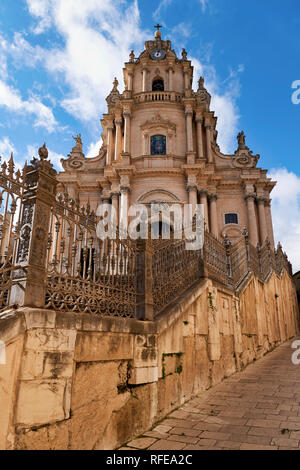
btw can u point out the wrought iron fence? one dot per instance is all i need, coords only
(174, 270)
(85, 274)
(51, 257)
(12, 184)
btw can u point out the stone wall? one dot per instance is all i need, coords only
(83, 382)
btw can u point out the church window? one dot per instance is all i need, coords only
(231, 218)
(158, 145)
(158, 85)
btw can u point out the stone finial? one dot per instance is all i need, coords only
(43, 152)
(114, 94)
(184, 54)
(201, 84)
(131, 56)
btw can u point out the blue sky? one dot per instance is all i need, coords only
(58, 59)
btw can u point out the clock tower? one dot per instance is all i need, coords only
(160, 145)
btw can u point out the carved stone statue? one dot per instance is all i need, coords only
(43, 152)
(184, 54)
(241, 140)
(201, 83)
(78, 141)
(131, 56)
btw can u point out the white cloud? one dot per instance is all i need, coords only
(97, 38)
(223, 102)
(163, 4)
(6, 148)
(11, 99)
(286, 212)
(204, 4)
(94, 148)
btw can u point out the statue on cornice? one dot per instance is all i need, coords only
(78, 141)
(184, 54)
(241, 138)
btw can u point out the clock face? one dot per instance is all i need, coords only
(158, 54)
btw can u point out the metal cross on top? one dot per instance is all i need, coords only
(158, 26)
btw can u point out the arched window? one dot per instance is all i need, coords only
(158, 85)
(158, 145)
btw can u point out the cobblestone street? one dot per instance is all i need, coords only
(258, 408)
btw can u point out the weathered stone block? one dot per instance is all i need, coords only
(46, 364)
(42, 401)
(103, 346)
(51, 340)
(39, 318)
(143, 375)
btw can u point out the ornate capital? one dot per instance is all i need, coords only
(261, 200)
(118, 122)
(191, 187)
(203, 192)
(125, 189)
(188, 112)
(199, 119)
(250, 196)
(213, 197)
(115, 195)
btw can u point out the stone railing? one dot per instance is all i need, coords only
(159, 96)
(51, 256)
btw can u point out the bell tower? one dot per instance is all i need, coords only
(160, 144)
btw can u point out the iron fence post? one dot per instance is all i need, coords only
(29, 287)
(144, 303)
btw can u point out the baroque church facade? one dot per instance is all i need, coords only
(160, 145)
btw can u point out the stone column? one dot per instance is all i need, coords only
(118, 142)
(186, 79)
(252, 225)
(115, 204)
(262, 219)
(269, 223)
(214, 215)
(146, 144)
(203, 200)
(170, 70)
(109, 144)
(145, 76)
(192, 190)
(130, 80)
(124, 206)
(208, 143)
(199, 122)
(189, 129)
(127, 129)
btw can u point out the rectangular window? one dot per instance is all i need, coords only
(231, 218)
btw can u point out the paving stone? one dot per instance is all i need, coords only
(284, 441)
(187, 439)
(185, 431)
(141, 442)
(164, 444)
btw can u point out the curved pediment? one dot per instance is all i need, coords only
(158, 121)
(158, 196)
